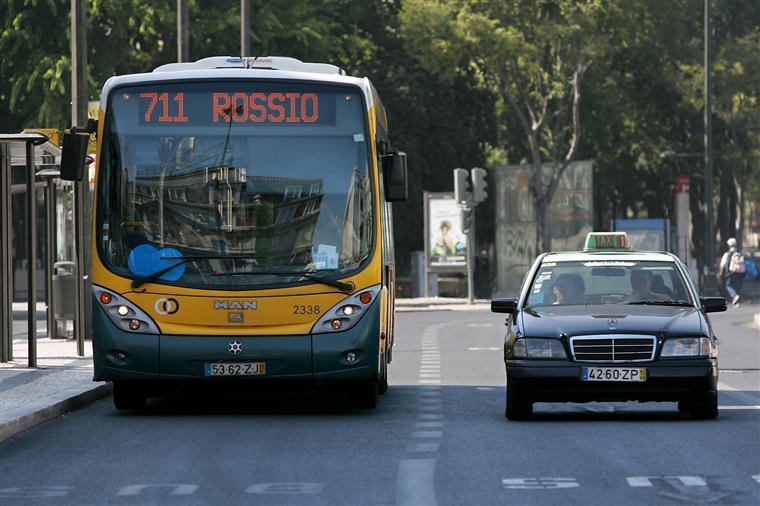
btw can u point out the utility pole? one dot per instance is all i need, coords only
(709, 229)
(81, 188)
(469, 191)
(183, 32)
(245, 27)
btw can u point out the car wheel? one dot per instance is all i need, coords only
(519, 405)
(128, 396)
(363, 395)
(705, 407)
(382, 385)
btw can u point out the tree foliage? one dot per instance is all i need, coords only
(465, 82)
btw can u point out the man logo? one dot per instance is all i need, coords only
(166, 306)
(234, 304)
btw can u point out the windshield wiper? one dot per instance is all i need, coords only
(340, 285)
(137, 283)
(682, 303)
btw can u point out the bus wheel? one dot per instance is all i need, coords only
(128, 396)
(363, 395)
(382, 385)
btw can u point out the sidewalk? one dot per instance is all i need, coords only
(440, 304)
(61, 382)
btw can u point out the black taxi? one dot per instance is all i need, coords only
(610, 324)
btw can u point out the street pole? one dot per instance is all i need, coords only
(183, 31)
(470, 220)
(81, 188)
(245, 27)
(710, 234)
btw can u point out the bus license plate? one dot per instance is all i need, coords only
(235, 368)
(614, 374)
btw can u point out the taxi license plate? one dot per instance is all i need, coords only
(235, 369)
(614, 374)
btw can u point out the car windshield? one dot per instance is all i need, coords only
(246, 176)
(608, 282)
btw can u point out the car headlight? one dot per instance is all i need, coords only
(688, 347)
(538, 348)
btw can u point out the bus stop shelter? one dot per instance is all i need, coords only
(39, 160)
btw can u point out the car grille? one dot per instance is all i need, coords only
(613, 348)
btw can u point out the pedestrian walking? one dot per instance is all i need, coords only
(732, 270)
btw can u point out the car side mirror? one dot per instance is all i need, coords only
(73, 156)
(394, 176)
(504, 306)
(713, 304)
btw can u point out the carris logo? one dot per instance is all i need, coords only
(166, 306)
(234, 304)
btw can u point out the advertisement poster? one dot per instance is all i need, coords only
(446, 241)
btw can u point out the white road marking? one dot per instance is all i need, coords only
(430, 400)
(429, 408)
(756, 477)
(428, 434)
(741, 407)
(483, 349)
(430, 382)
(436, 375)
(539, 483)
(177, 488)
(429, 416)
(480, 324)
(428, 425)
(423, 447)
(486, 389)
(414, 482)
(285, 488)
(646, 481)
(33, 492)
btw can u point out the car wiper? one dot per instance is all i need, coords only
(344, 287)
(138, 282)
(682, 303)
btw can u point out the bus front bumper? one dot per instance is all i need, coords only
(121, 355)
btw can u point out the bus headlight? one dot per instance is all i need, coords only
(346, 313)
(687, 347)
(123, 313)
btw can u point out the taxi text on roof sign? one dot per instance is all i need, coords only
(603, 241)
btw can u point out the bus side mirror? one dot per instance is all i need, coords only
(394, 176)
(73, 156)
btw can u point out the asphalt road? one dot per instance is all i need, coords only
(438, 437)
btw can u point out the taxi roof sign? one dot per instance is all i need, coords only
(606, 241)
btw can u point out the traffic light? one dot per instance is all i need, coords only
(462, 186)
(479, 185)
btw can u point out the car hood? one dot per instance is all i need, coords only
(553, 321)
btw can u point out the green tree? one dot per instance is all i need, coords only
(533, 55)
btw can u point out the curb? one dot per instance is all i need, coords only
(65, 401)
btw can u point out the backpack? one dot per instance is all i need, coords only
(737, 265)
(751, 269)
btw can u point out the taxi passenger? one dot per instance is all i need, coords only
(568, 289)
(641, 282)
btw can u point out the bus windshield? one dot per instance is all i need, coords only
(250, 177)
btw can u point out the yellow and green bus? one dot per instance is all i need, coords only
(242, 228)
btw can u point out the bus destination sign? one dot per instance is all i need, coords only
(164, 108)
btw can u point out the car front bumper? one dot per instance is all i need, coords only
(560, 381)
